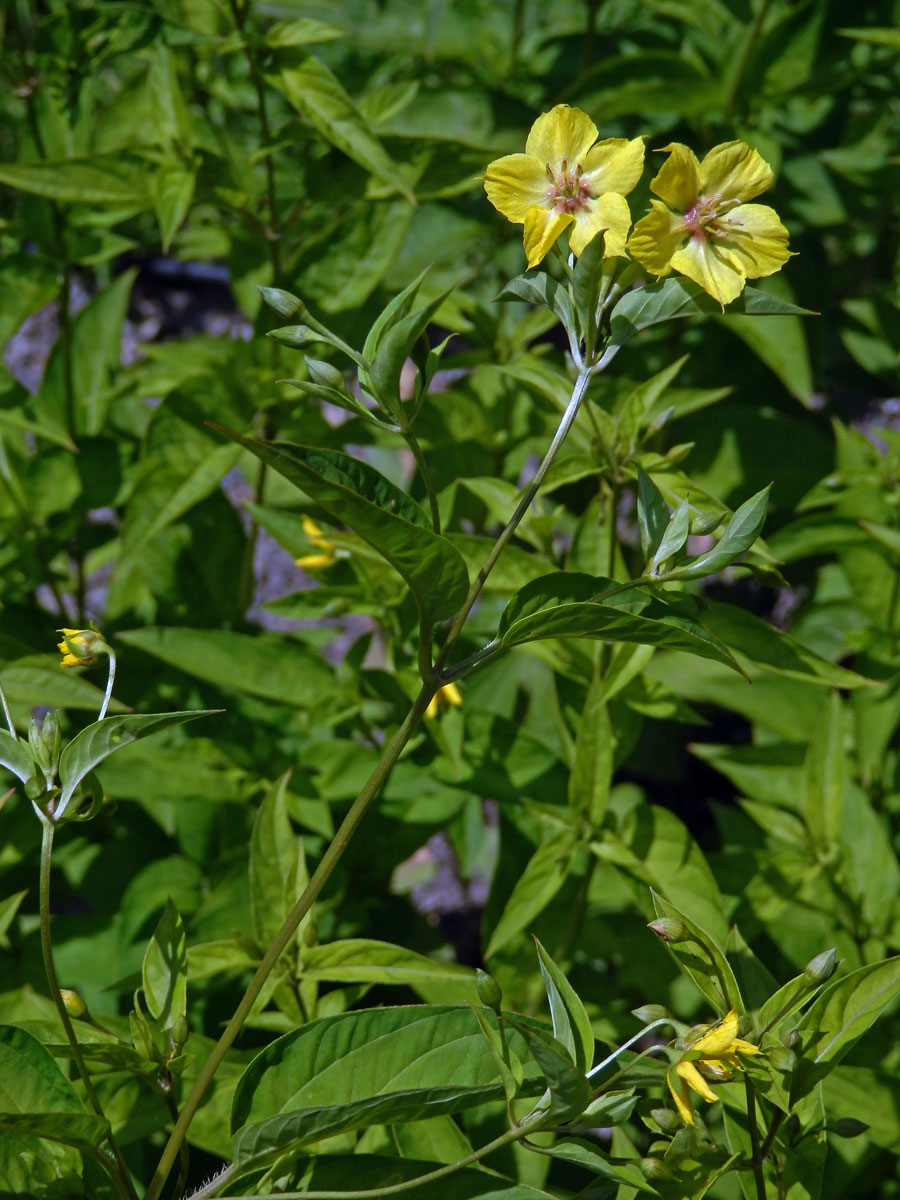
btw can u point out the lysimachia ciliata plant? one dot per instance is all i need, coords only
(625, 1120)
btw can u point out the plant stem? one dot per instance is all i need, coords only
(319, 878)
(571, 412)
(412, 441)
(111, 679)
(747, 53)
(531, 1124)
(754, 1140)
(120, 1173)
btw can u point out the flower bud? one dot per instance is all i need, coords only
(668, 1121)
(822, 967)
(655, 1168)
(847, 1127)
(782, 1058)
(488, 989)
(670, 929)
(284, 303)
(325, 374)
(74, 1004)
(80, 647)
(648, 1013)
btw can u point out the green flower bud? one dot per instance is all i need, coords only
(655, 1168)
(74, 1004)
(36, 789)
(670, 929)
(847, 1127)
(822, 967)
(488, 989)
(648, 1013)
(668, 1121)
(781, 1058)
(284, 303)
(325, 374)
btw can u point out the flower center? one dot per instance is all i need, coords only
(569, 191)
(705, 217)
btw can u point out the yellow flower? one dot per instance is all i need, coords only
(713, 236)
(718, 1048)
(448, 694)
(79, 647)
(563, 180)
(317, 539)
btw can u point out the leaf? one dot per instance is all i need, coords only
(275, 859)
(28, 281)
(592, 766)
(276, 668)
(652, 514)
(537, 287)
(384, 516)
(571, 1024)
(709, 970)
(543, 876)
(8, 909)
(99, 180)
(15, 756)
(98, 741)
(840, 1015)
(568, 605)
(84, 1131)
(570, 1092)
(30, 1081)
(588, 1155)
(383, 377)
(173, 191)
(824, 775)
(164, 971)
(674, 536)
(377, 1066)
(677, 297)
(740, 533)
(316, 93)
(365, 960)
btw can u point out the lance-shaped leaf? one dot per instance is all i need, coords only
(84, 1131)
(674, 536)
(591, 1157)
(30, 1081)
(537, 287)
(740, 533)
(570, 1092)
(382, 514)
(276, 864)
(839, 1017)
(374, 1067)
(366, 960)
(652, 514)
(103, 179)
(98, 741)
(570, 604)
(677, 297)
(592, 765)
(15, 756)
(542, 877)
(824, 771)
(700, 957)
(165, 972)
(571, 1024)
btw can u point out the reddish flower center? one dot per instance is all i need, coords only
(569, 191)
(705, 217)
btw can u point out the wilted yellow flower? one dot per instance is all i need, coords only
(448, 694)
(563, 179)
(316, 538)
(705, 230)
(79, 647)
(718, 1048)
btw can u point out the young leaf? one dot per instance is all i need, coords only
(709, 969)
(674, 536)
(15, 756)
(740, 533)
(164, 972)
(824, 773)
(537, 287)
(571, 1024)
(274, 859)
(652, 514)
(570, 1092)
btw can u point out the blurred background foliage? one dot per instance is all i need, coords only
(158, 162)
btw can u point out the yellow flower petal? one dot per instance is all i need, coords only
(450, 692)
(314, 561)
(678, 181)
(757, 239)
(743, 1047)
(710, 264)
(694, 1079)
(682, 1098)
(656, 238)
(542, 228)
(609, 212)
(718, 1037)
(69, 660)
(614, 165)
(563, 132)
(516, 183)
(734, 172)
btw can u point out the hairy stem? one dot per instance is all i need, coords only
(319, 878)
(118, 1169)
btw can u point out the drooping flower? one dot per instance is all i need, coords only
(563, 180)
(448, 694)
(80, 647)
(327, 555)
(702, 226)
(715, 1051)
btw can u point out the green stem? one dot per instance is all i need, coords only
(120, 1173)
(412, 441)
(746, 54)
(754, 1140)
(531, 1124)
(320, 877)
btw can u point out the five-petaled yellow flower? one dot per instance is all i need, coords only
(316, 538)
(563, 180)
(448, 694)
(79, 647)
(713, 236)
(718, 1047)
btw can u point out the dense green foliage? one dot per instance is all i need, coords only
(717, 748)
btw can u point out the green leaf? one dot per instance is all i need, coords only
(383, 378)
(365, 960)
(316, 93)
(652, 514)
(8, 909)
(278, 669)
(27, 283)
(571, 1024)
(568, 605)
(824, 773)
(701, 958)
(570, 1092)
(276, 864)
(164, 972)
(15, 756)
(544, 874)
(30, 1081)
(303, 31)
(839, 1017)
(384, 516)
(395, 310)
(588, 276)
(676, 297)
(674, 536)
(378, 1066)
(740, 533)
(537, 287)
(99, 180)
(592, 765)
(588, 1155)
(173, 191)
(98, 741)
(84, 1131)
